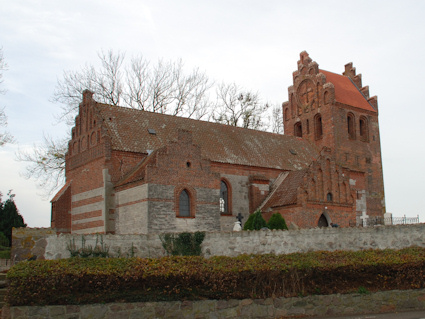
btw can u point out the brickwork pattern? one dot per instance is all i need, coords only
(338, 101)
(61, 211)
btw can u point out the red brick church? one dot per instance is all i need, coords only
(136, 172)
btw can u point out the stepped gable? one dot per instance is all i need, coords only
(346, 92)
(314, 88)
(143, 132)
(286, 192)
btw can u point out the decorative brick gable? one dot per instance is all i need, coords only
(335, 111)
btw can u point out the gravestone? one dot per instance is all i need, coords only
(364, 217)
(237, 226)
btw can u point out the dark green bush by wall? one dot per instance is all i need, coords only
(255, 222)
(183, 244)
(277, 222)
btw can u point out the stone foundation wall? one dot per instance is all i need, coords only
(5, 264)
(46, 244)
(304, 240)
(350, 304)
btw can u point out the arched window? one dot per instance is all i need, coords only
(318, 129)
(298, 131)
(224, 198)
(184, 204)
(287, 114)
(329, 197)
(351, 126)
(364, 131)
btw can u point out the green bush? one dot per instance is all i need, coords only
(5, 254)
(255, 221)
(183, 244)
(100, 280)
(86, 251)
(277, 222)
(9, 216)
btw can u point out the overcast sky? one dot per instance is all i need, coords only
(253, 43)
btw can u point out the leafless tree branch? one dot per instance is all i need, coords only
(276, 120)
(163, 87)
(3, 67)
(46, 163)
(238, 107)
(5, 136)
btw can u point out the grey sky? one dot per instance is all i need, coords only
(253, 43)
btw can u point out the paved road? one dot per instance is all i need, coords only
(400, 315)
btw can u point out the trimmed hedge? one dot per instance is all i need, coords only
(94, 280)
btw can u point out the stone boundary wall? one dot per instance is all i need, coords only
(44, 243)
(5, 264)
(297, 307)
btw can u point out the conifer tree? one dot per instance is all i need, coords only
(277, 222)
(9, 216)
(255, 222)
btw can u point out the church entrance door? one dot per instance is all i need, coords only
(323, 222)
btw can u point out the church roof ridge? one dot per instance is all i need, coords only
(132, 130)
(129, 109)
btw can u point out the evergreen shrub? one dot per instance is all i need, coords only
(255, 222)
(277, 222)
(4, 242)
(9, 216)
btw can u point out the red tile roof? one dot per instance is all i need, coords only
(128, 129)
(346, 91)
(286, 192)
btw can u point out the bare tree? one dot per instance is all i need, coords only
(276, 120)
(163, 87)
(3, 67)
(239, 107)
(138, 92)
(5, 136)
(108, 80)
(46, 163)
(105, 82)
